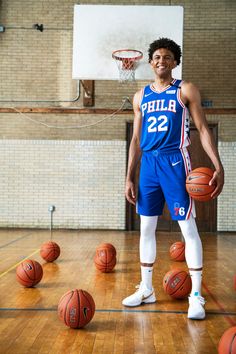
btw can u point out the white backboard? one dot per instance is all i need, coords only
(101, 29)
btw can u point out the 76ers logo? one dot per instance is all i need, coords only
(179, 210)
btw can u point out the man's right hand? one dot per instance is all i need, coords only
(130, 192)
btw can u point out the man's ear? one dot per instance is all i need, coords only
(174, 64)
(151, 63)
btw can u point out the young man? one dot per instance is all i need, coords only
(160, 137)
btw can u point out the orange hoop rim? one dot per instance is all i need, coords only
(138, 56)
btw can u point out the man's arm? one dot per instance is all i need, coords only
(134, 151)
(192, 97)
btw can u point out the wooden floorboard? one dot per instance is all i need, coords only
(28, 316)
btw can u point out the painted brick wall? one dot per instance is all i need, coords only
(227, 201)
(36, 66)
(83, 179)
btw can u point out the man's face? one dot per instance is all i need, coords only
(163, 61)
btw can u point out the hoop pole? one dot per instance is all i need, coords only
(51, 209)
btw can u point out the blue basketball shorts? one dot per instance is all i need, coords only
(162, 178)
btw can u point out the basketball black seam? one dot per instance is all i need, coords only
(106, 260)
(182, 252)
(79, 301)
(65, 312)
(203, 173)
(34, 268)
(54, 250)
(198, 183)
(100, 264)
(23, 279)
(27, 273)
(231, 344)
(178, 288)
(176, 275)
(181, 284)
(88, 300)
(86, 297)
(51, 251)
(202, 195)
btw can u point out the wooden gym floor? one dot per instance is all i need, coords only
(29, 321)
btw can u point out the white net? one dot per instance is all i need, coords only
(127, 62)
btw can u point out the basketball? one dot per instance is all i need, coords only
(227, 344)
(108, 245)
(76, 308)
(177, 283)
(177, 251)
(197, 184)
(105, 257)
(29, 273)
(50, 251)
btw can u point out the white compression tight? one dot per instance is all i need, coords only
(193, 250)
(193, 244)
(147, 245)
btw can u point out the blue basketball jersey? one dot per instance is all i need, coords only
(165, 119)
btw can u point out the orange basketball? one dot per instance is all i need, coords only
(108, 245)
(227, 344)
(50, 251)
(76, 308)
(177, 251)
(177, 283)
(197, 184)
(29, 273)
(105, 257)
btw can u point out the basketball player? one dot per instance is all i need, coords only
(160, 138)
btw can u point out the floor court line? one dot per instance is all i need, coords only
(218, 304)
(15, 265)
(16, 240)
(53, 309)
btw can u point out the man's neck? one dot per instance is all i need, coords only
(162, 82)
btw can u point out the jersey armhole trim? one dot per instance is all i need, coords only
(141, 97)
(179, 97)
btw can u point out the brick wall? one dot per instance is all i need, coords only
(84, 180)
(226, 201)
(37, 65)
(35, 71)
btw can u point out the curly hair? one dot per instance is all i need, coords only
(168, 44)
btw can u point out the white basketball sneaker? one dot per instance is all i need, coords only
(196, 309)
(142, 295)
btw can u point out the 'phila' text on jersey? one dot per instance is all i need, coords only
(159, 106)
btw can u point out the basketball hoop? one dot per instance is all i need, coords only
(127, 61)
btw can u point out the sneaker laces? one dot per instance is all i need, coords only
(200, 299)
(138, 286)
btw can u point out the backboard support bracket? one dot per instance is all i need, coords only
(88, 93)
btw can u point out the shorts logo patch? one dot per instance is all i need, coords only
(179, 210)
(175, 163)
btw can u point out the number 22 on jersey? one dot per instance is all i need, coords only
(157, 124)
